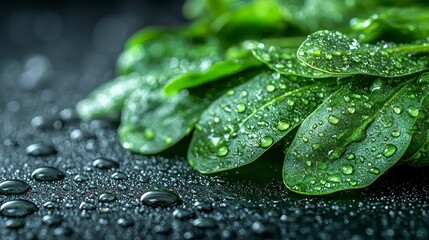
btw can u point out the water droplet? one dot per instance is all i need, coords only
(390, 150)
(80, 178)
(102, 163)
(216, 120)
(222, 151)
(241, 108)
(282, 126)
(125, 222)
(396, 134)
(160, 198)
(350, 156)
(336, 178)
(397, 110)
(182, 214)
(266, 141)
(315, 147)
(47, 174)
(308, 163)
(168, 141)
(271, 88)
(347, 169)
(203, 206)
(85, 205)
(332, 119)
(17, 208)
(351, 110)
(119, 176)
(40, 150)
(149, 134)
(204, 223)
(14, 187)
(413, 111)
(15, 223)
(374, 170)
(107, 197)
(52, 220)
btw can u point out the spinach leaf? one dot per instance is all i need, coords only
(108, 100)
(152, 122)
(284, 60)
(151, 66)
(242, 124)
(217, 71)
(417, 153)
(354, 136)
(403, 24)
(334, 52)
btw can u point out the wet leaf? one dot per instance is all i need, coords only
(217, 71)
(242, 124)
(284, 60)
(108, 99)
(354, 136)
(403, 24)
(334, 52)
(152, 122)
(151, 66)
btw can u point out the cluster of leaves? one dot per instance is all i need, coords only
(245, 73)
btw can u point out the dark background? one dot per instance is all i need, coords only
(52, 54)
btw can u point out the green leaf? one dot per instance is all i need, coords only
(217, 71)
(334, 52)
(152, 65)
(152, 122)
(417, 153)
(108, 99)
(393, 24)
(242, 124)
(284, 60)
(354, 136)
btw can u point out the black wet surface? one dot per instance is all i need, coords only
(46, 67)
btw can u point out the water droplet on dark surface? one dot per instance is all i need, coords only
(86, 206)
(204, 223)
(125, 222)
(119, 176)
(79, 135)
(17, 208)
(50, 205)
(13, 187)
(160, 198)
(15, 223)
(182, 214)
(63, 231)
(107, 197)
(102, 163)
(162, 229)
(68, 115)
(47, 174)
(52, 220)
(80, 178)
(40, 150)
(44, 123)
(203, 206)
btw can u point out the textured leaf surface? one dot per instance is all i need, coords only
(217, 71)
(393, 24)
(152, 122)
(354, 136)
(109, 98)
(284, 60)
(242, 124)
(334, 52)
(152, 65)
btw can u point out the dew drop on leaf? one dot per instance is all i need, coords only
(222, 151)
(374, 170)
(396, 134)
(282, 126)
(347, 169)
(390, 150)
(413, 111)
(241, 108)
(332, 119)
(336, 178)
(266, 141)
